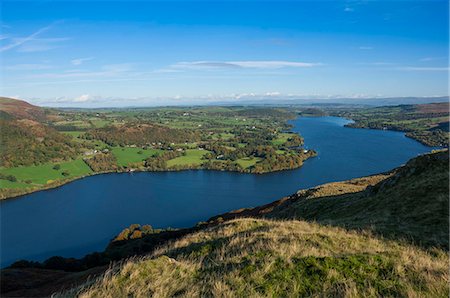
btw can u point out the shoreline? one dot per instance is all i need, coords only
(61, 183)
(20, 194)
(405, 133)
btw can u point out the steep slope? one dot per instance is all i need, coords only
(26, 142)
(25, 139)
(11, 108)
(411, 202)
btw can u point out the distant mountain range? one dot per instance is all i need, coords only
(385, 101)
(259, 100)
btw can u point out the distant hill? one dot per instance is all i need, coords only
(441, 108)
(25, 139)
(11, 108)
(27, 142)
(427, 123)
(383, 235)
(376, 101)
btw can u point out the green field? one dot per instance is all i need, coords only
(281, 138)
(247, 162)
(43, 174)
(100, 123)
(127, 155)
(9, 184)
(192, 157)
(80, 124)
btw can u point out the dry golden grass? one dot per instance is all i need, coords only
(260, 258)
(344, 187)
(410, 203)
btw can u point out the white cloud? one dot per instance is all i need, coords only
(82, 98)
(349, 9)
(242, 64)
(365, 48)
(80, 61)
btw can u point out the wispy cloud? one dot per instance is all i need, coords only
(242, 64)
(428, 59)
(41, 44)
(365, 48)
(19, 41)
(414, 68)
(349, 9)
(167, 70)
(378, 63)
(80, 61)
(111, 70)
(28, 67)
(32, 43)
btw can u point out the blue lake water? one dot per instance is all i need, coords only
(82, 216)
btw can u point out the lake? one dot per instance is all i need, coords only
(82, 216)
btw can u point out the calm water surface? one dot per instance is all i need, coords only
(82, 216)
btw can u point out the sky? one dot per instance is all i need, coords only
(136, 53)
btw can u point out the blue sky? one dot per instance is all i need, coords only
(119, 53)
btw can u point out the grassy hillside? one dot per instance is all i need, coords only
(411, 203)
(262, 258)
